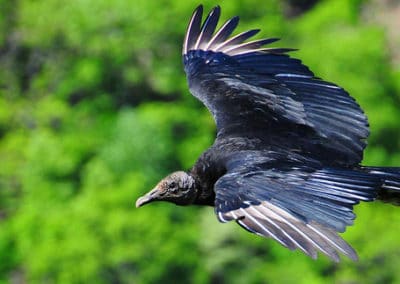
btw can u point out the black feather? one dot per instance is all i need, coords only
(224, 32)
(238, 39)
(193, 30)
(208, 28)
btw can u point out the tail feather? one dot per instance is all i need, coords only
(390, 189)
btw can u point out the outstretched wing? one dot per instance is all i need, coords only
(293, 200)
(254, 91)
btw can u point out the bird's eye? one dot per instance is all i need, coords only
(173, 187)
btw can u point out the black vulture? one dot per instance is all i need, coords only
(286, 160)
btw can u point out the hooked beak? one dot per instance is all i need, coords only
(148, 197)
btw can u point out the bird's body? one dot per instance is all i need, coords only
(286, 160)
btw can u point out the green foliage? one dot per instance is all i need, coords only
(94, 110)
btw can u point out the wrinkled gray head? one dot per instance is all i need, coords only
(178, 187)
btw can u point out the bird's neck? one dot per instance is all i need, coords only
(206, 172)
(196, 193)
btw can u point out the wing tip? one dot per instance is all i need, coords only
(193, 28)
(205, 35)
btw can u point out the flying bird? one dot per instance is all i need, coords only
(286, 160)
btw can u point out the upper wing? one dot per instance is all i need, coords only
(292, 200)
(254, 91)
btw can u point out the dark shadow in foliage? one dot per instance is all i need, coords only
(295, 8)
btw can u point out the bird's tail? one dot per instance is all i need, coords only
(390, 189)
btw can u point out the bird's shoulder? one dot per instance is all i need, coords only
(213, 163)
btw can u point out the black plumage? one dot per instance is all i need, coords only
(286, 160)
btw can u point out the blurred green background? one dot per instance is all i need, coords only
(94, 110)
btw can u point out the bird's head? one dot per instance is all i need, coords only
(178, 187)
